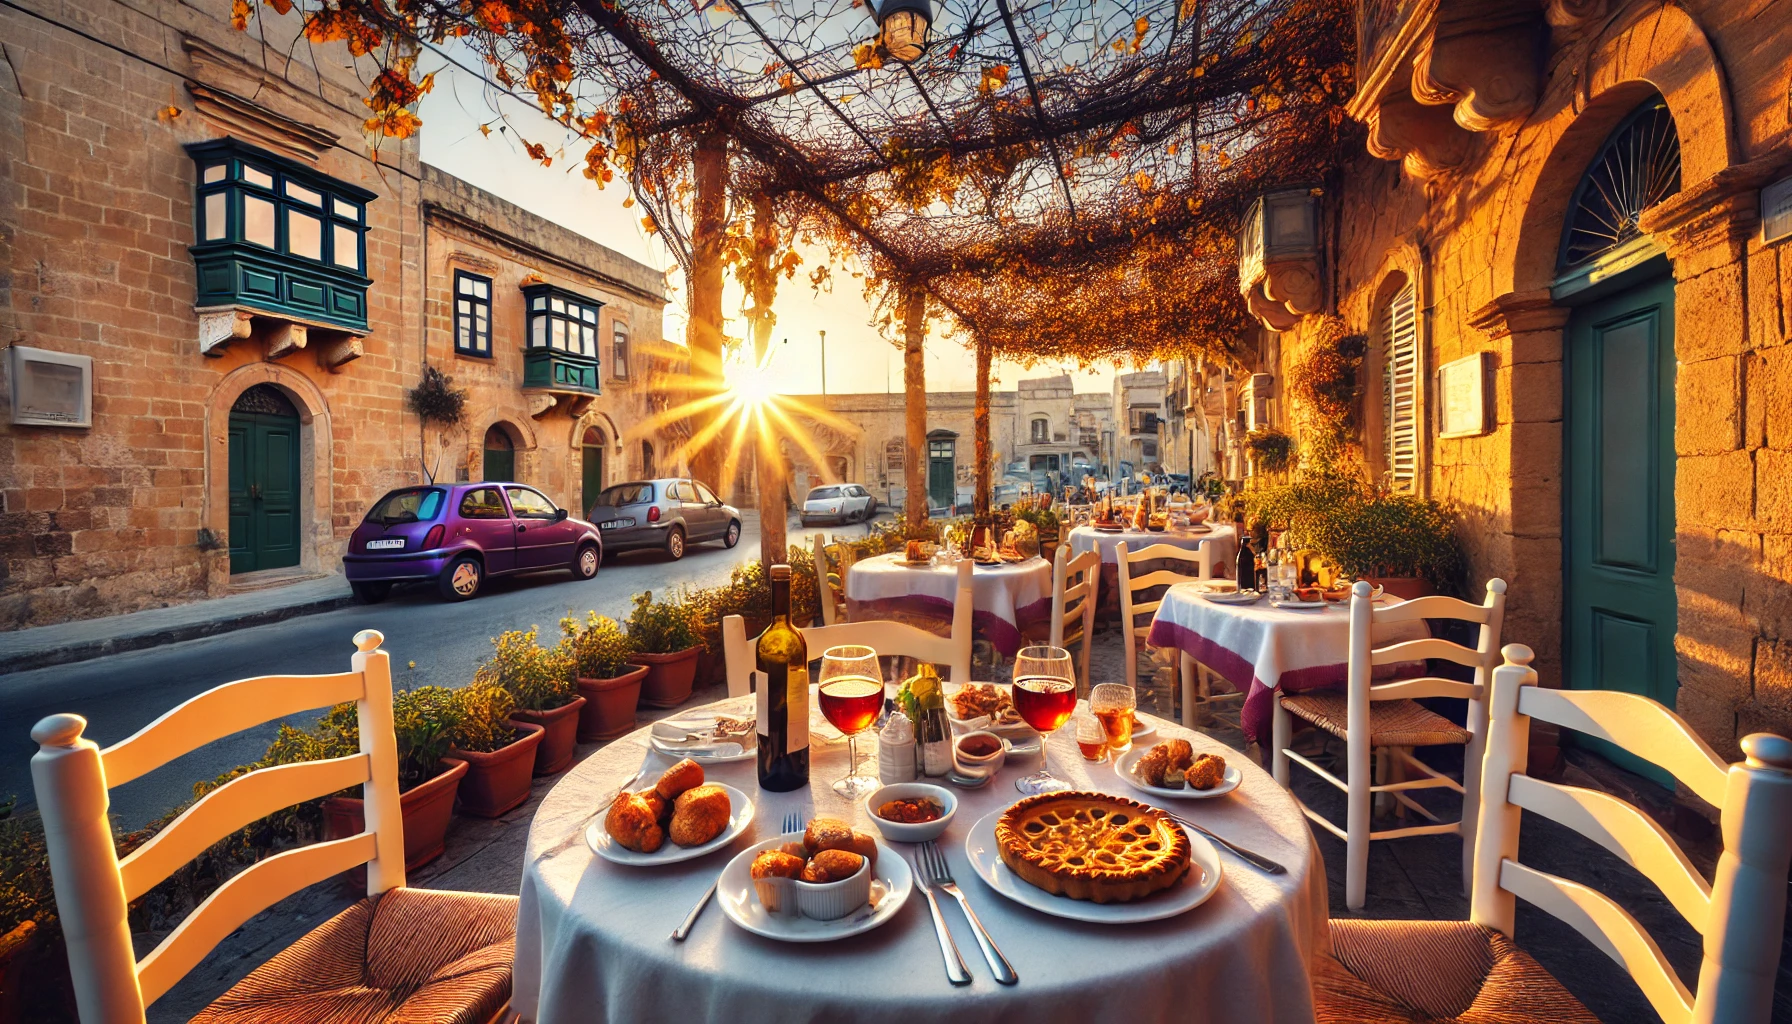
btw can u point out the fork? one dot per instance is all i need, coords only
(939, 873)
(956, 972)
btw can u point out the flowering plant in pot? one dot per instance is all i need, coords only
(500, 753)
(601, 654)
(667, 639)
(424, 721)
(541, 682)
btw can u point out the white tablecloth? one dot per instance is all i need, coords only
(1259, 648)
(593, 937)
(1222, 539)
(1003, 597)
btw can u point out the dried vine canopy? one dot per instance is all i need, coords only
(1062, 175)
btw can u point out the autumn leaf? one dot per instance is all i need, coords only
(866, 57)
(994, 77)
(240, 12)
(1143, 181)
(628, 202)
(167, 114)
(485, 129)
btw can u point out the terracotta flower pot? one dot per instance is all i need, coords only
(426, 810)
(1404, 587)
(610, 705)
(669, 677)
(498, 781)
(560, 735)
(34, 981)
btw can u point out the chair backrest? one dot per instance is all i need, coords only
(1200, 560)
(1740, 912)
(1076, 586)
(1365, 618)
(93, 887)
(889, 639)
(831, 600)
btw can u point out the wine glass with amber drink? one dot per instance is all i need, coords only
(851, 695)
(1044, 695)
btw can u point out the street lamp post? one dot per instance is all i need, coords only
(824, 362)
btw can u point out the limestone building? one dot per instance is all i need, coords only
(215, 299)
(1567, 245)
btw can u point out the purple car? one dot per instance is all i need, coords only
(458, 534)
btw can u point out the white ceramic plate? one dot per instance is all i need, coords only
(1123, 768)
(1191, 892)
(1142, 727)
(1234, 597)
(693, 725)
(1012, 730)
(671, 853)
(677, 753)
(734, 891)
(1297, 604)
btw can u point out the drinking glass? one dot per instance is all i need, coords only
(1113, 705)
(851, 694)
(1044, 695)
(1091, 737)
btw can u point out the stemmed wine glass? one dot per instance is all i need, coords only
(1044, 695)
(851, 694)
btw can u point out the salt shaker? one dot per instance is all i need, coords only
(896, 750)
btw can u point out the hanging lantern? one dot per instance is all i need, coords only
(905, 26)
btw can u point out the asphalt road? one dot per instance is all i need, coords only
(431, 642)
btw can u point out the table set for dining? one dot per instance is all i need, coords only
(1228, 940)
(1007, 597)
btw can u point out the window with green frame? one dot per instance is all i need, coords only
(563, 322)
(278, 236)
(472, 314)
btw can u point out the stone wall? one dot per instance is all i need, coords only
(1480, 244)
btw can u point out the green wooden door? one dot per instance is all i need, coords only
(264, 491)
(500, 465)
(593, 477)
(1619, 607)
(940, 474)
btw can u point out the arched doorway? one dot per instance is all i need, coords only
(1620, 608)
(264, 480)
(500, 455)
(647, 460)
(591, 468)
(942, 469)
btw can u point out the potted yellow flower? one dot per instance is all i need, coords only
(601, 654)
(541, 681)
(500, 753)
(424, 720)
(666, 639)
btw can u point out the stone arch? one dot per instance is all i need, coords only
(1661, 50)
(522, 443)
(317, 542)
(1400, 265)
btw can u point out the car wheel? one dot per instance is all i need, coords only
(732, 537)
(462, 579)
(370, 593)
(675, 544)
(585, 565)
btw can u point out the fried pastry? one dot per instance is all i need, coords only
(686, 774)
(1182, 754)
(833, 866)
(776, 864)
(865, 845)
(827, 834)
(1207, 771)
(1152, 767)
(699, 815)
(659, 805)
(632, 824)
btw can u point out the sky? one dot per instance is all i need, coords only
(857, 358)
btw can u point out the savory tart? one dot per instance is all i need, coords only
(1092, 846)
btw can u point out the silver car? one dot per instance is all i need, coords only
(838, 503)
(668, 514)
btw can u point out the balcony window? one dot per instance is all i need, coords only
(561, 352)
(277, 237)
(472, 314)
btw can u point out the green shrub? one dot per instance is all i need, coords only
(663, 627)
(1365, 530)
(538, 678)
(597, 650)
(1272, 450)
(25, 893)
(485, 707)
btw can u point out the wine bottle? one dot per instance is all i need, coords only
(1245, 568)
(783, 697)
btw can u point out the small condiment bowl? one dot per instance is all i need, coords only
(830, 901)
(979, 764)
(912, 832)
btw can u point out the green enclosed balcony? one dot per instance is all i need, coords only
(561, 354)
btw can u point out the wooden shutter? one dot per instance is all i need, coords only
(1400, 388)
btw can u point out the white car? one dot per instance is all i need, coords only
(838, 503)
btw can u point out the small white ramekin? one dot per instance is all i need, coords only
(829, 901)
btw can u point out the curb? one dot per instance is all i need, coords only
(68, 654)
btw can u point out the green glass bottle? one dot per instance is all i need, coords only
(783, 696)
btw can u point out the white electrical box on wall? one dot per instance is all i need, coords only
(50, 389)
(1776, 211)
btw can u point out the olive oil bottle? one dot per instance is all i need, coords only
(783, 697)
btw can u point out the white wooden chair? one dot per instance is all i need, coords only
(1396, 723)
(889, 639)
(831, 593)
(325, 974)
(1196, 680)
(1740, 912)
(1076, 587)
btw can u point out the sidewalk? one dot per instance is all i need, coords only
(83, 639)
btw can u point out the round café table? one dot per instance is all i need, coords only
(1007, 601)
(593, 938)
(1260, 649)
(1222, 540)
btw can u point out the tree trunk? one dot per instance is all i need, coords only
(914, 383)
(769, 468)
(980, 424)
(703, 333)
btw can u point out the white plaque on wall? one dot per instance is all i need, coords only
(1462, 397)
(50, 389)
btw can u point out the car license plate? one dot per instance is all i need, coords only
(615, 524)
(387, 544)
